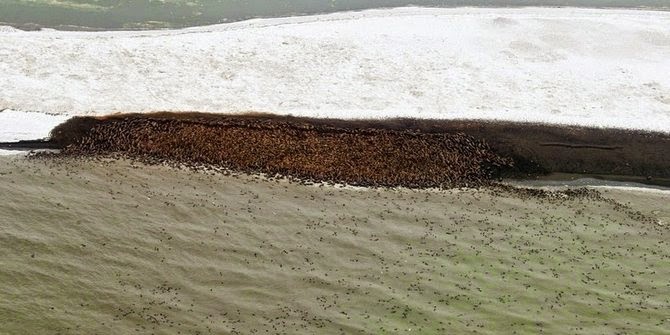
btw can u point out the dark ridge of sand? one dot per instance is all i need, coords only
(29, 145)
(390, 152)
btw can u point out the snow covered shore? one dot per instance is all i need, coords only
(17, 126)
(572, 66)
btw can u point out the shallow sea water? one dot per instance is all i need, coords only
(121, 248)
(152, 14)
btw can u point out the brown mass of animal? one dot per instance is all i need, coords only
(390, 152)
(300, 149)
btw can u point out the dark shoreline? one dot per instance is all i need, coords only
(391, 152)
(65, 20)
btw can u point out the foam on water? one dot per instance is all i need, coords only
(569, 66)
(8, 29)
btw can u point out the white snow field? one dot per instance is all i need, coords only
(593, 67)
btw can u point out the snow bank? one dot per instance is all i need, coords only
(572, 66)
(16, 126)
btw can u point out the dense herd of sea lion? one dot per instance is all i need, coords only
(364, 157)
(391, 152)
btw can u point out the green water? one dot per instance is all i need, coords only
(149, 14)
(117, 248)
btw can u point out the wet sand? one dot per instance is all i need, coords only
(97, 246)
